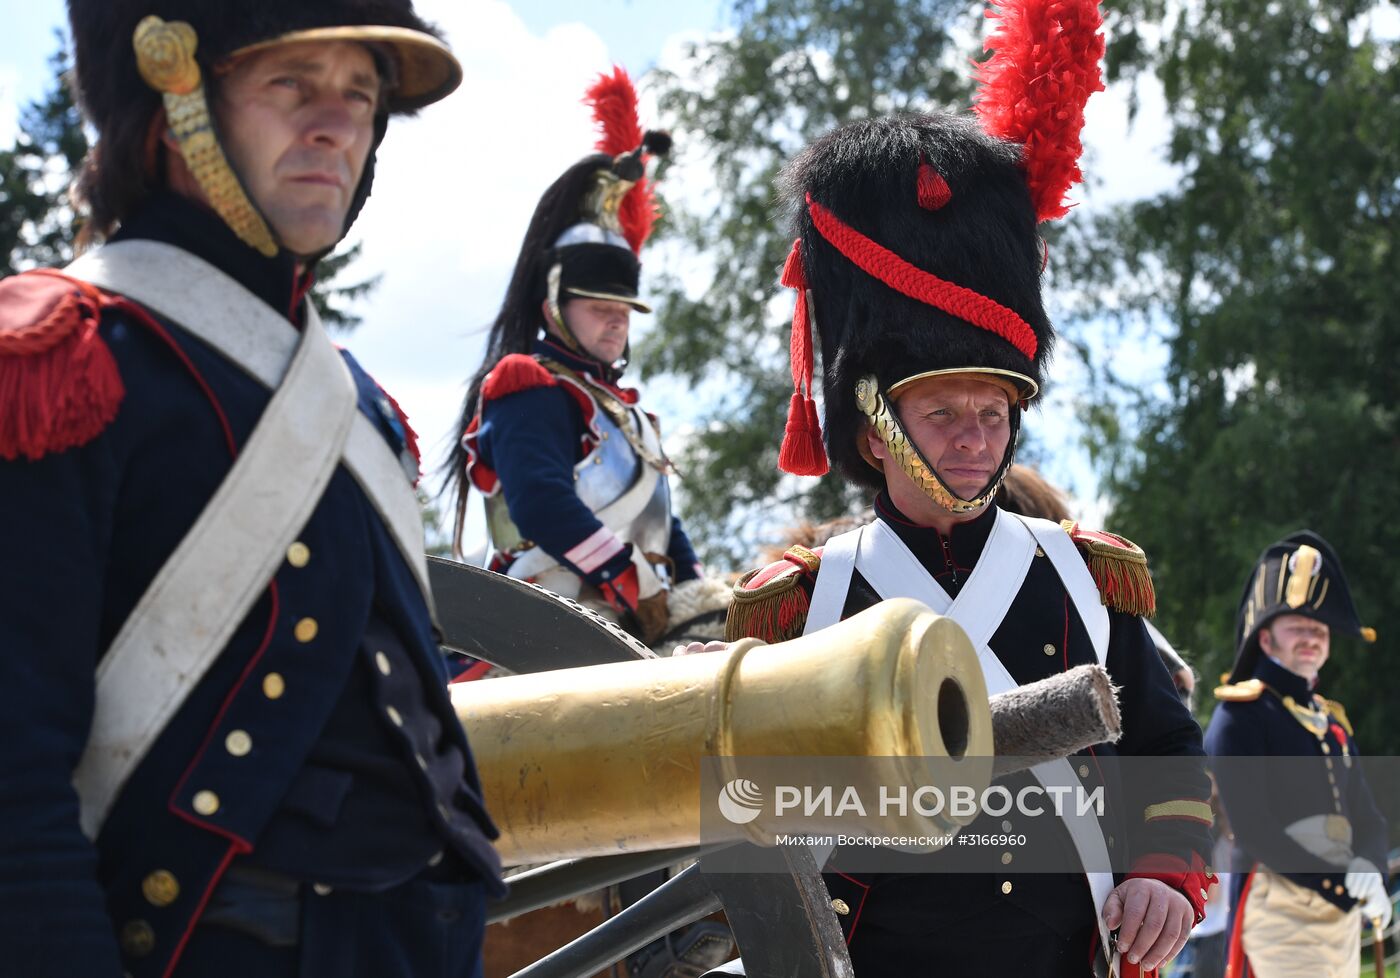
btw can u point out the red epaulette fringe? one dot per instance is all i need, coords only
(1119, 568)
(516, 372)
(771, 603)
(59, 383)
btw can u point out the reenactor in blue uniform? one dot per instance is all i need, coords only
(1310, 845)
(228, 745)
(571, 467)
(917, 266)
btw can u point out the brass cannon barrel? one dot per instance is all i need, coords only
(604, 759)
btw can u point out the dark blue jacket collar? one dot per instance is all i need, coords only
(548, 346)
(1281, 680)
(171, 219)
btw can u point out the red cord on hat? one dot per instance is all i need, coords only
(956, 300)
(802, 452)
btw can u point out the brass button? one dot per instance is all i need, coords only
(298, 554)
(1006, 859)
(1040, 551)
(206, 802)
(137, 938)
(1326, 884)
(160, 888)
(1340, 889)
(382, 661)
(840, 906)
(322, 889)
(274, 685)
(306, 629)
(1049, 649)
(1327, 749)
(1083, 770)
(394, 716)
(597, 460)
(1006, 887)
(238, 743)
(436, 858)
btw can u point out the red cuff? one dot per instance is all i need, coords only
(623, 591)
(1191, 881)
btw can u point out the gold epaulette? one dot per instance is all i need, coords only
(1338, 712)
(1119, 568)
(1245, 692)
(770, 602)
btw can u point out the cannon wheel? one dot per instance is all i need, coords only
(782, 922)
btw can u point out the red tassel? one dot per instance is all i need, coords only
(933, 190)
(802, 452)
(59, 383)
(794, 273)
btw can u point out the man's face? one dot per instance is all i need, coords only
(297, 123)
(1299, 644)
(961, 424)
(599, 325)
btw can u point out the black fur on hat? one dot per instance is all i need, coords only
(983, 238)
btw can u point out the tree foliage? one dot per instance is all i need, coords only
(1271, 271)
(790, 70)
(38, 223)
(36, 216)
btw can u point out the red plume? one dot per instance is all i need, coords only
(1033, 89)
(614, 103)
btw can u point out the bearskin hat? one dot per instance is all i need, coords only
(917, 249)
(982, 238)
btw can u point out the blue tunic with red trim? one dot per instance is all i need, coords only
(529, 434)
(1309, 776)
(950, 909)
(285, 740)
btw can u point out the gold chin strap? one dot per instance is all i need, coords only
(165, 58)
(876, 409)
(556, 312)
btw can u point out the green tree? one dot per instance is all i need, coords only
(791, 70)
(36, 215)
(1270, 271)
(38, 223)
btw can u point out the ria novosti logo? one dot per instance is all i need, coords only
(740, 801)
